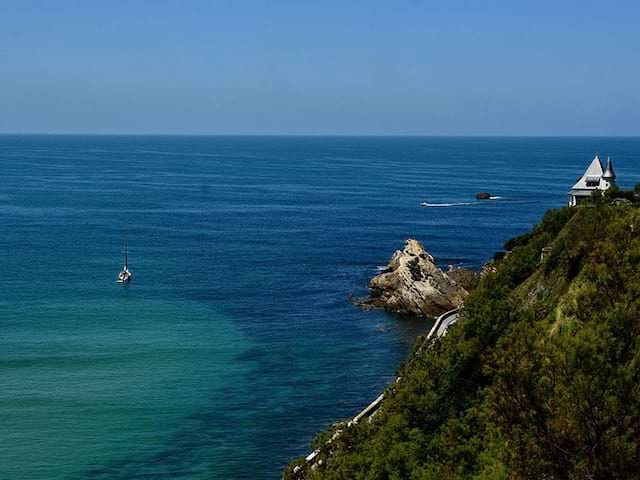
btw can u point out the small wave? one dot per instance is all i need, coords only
(455, 204)
(495, 197)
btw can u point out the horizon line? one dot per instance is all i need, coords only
(307, 135)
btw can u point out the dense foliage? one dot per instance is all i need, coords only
(539, 379)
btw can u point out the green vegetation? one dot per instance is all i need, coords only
(540, 378)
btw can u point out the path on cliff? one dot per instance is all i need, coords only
(439, 329)
(443, 323)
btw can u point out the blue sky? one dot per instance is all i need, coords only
(323, 67)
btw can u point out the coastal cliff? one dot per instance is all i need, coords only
(539, 377)
(412, 283)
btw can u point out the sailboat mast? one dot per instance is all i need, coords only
(126, 254)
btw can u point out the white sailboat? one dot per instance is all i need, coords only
(125, 275)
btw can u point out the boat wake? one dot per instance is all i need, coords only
(458, 204)
(455, 204)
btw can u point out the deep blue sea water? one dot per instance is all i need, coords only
(236, 341)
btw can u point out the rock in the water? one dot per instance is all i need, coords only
(483, 196)
(413, 283)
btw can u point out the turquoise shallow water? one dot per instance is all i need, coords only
(236, 341)
(110, 401)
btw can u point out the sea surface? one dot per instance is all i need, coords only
(236, 341)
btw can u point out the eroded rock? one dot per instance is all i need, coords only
(413, 283)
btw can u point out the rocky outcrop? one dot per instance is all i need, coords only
(413, 283)
(464, 277)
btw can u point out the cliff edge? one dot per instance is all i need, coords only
(538, 379)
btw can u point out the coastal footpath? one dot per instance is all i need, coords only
(314, 460)
(538, 378)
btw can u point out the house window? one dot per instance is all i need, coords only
(592, 184)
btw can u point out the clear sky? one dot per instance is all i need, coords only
(321, 67)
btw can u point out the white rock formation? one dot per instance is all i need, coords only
(413, 283)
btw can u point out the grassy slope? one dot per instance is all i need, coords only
(538, 380)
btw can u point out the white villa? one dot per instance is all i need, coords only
(595, 178)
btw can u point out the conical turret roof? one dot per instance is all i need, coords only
(608, 172)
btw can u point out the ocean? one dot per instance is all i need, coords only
(236, 341)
